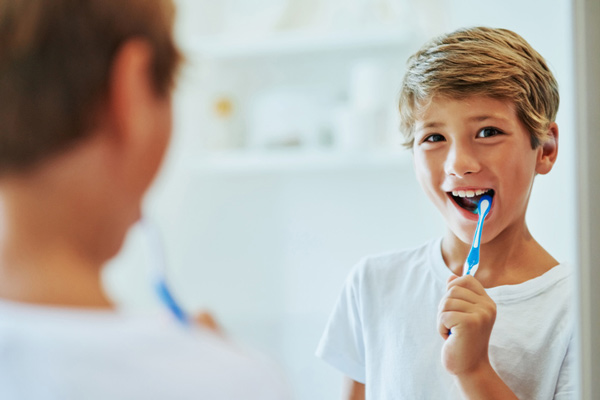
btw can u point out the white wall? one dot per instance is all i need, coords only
(268, 251)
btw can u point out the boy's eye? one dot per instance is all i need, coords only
(436, 137)
(488, 132)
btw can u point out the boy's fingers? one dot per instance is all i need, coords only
(459, 292)
(208, 321)
(458, 305)
(446, 321)
(468, 282)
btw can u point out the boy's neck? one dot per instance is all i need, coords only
(59, 281)
(43, 260)
(512, 257)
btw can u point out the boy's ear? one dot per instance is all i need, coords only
(139, 118)
(130, 90)
(548, 151)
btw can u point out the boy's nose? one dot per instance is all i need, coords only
(461, 160)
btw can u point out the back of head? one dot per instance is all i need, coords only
(55, 61)
(481, 61)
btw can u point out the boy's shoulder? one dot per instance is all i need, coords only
(111, 347)
(397, 264)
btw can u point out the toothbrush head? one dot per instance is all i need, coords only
(485, 203)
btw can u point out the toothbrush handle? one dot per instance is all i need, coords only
(472, 262)
(167, 298)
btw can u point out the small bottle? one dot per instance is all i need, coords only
(224, 129)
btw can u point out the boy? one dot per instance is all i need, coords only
(85, 117)
(478, 108)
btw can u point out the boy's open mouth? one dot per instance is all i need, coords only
(469, 199)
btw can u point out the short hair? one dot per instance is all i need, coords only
(55, 63)
(481, 61)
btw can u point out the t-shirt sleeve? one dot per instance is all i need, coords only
(566, 385)
(342, 344)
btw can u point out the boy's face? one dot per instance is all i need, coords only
(469, 146)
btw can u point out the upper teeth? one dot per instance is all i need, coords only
(469, 193)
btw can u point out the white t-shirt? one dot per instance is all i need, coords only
(383, 330)
(56, 353)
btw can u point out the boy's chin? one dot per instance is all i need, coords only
(463, 234)
(465, 238)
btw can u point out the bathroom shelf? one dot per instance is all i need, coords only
(223, 48)
(286, 161)
(242, 67)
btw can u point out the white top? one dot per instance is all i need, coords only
(383, 330)
(56, 353)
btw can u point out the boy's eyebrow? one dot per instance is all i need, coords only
(476, 118)
(480, 118)
(433, 124)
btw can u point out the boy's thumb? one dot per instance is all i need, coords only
(452, 277)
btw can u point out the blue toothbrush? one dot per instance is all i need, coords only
(158, 260)
(472, 262)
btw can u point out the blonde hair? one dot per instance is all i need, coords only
(56, 57)
(481, 61)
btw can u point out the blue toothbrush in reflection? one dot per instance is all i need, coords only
(472, 262)
(160, 271)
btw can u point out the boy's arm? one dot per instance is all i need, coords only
(484, 384)
(353, 390)
(465, 321)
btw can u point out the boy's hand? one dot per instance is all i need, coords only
(208, 321)
(465, 321)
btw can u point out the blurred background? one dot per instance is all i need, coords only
(286, 165)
